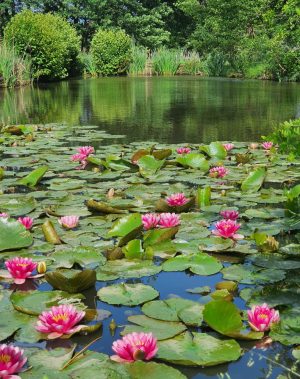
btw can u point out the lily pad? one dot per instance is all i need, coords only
(127, 294)
(160, 329)
(71, 281)
(200, 264)
(254, 180)
(198, 349)
(85, 256)
(13, 235)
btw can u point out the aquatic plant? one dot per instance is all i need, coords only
(168, 220)
(183, 150)
(4, 215)
(166, 61)
(228, 146)
(177, 199)
(12, 360)
(261, 317)
(230, 214)
(227, 229)
(20, 269)
(150, 220)
(26, 221)
(139, 60)
(267, 145)
(69, 222)
(134, 347)
(60, 320)
(81, 156)
(218, 172)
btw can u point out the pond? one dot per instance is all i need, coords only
(166, 278)
(174, 109)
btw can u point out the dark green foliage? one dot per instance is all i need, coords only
(287, 136)
(49, 40)
(111, 52)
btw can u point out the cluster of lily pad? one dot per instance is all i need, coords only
(143, 211)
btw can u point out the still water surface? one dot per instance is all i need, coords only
(176, 109)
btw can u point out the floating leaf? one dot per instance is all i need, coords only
(254, 180)
(13, 235)
(85, 256)
(194, 160)
(127, 294)
(201, 264)
(198, 349)
(32, 179)
(160, 329)
(215, 150)
(73, 281)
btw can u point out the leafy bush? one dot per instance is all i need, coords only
(166, 61)
(48, 39)
(217, 64)
(287, 136)
(14, 70)
(111, 52)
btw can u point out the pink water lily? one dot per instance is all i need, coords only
(183, 150)
(83, 153)
(169, 220)
(228, 146)
(267, 145)
(60, 320)
(20, 269)
(230, 215)
(227, 229)
(261, 317)
(150, 220)
(218, 172)
(12, 361)
(69, 222)
(26, 221)
(4, 215)
(135, 346)
(253, 145)
(176, 200)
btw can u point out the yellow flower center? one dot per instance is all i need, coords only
(62, 316)
(4, 358)
(22, 264)
(263, 316)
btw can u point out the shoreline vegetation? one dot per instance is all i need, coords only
(45, 42)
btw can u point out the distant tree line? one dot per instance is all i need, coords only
(250, 38)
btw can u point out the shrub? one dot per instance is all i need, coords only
(14, 70)
(217, 64)
(48, 39)
(111, 52)
(192, 64)
(287, 136)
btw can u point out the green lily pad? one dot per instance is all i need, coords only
(13, 235)
(215, 150)
(200, 264)
(187, 311)
(71, 281)
(254, 180)
(17, 206)
(194, 160)
(85, 256)
(35, 302)
(127, 294)
(160, 329)
(32, 179)
(251, 275)
(198, 349)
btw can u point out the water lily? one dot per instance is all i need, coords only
(20, 269)
(168, 220)
(218, 172)
(267, 145)
(230, 215)
(26, 221)
(86, 150)
(69, 222)
(176, 200)
(253, 146)
(60, 320)
(261, 317)
(12, 361)
(150, 220)
(83, 153)
(183, 150)
(134, 347)
(228, 146)
(227, 229)
(4, 215)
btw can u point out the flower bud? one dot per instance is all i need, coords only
(41, 267)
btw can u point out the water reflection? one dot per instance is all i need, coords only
(181, 109)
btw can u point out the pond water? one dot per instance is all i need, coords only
(175, 109)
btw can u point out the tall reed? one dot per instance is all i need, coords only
(139, 61)
(87, 63)
(192, 64)
(14, 69)
(166, 61)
